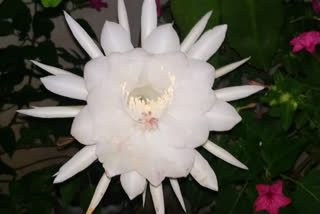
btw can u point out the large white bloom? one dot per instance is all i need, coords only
(147, 108)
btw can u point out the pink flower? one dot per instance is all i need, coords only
(316, 6)
(307, 40)
(158, 7)
(97, 4)
(270, 198)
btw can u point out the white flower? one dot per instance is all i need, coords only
(147, 108)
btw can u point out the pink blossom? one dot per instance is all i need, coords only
(158, 7)
(316, 6)
(270, 198)
(307, 40)
(97, 4)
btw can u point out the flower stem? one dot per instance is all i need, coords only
(301, 185)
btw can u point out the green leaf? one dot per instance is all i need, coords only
(8, 140)
(6, 28)
(69, 189)
(306, 198)
(50, 3)
(254, 28)
(287, 111)
(187, 13)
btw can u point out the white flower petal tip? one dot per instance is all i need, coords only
(157, 198)
(123, 16)
(195, 32)
(237, 92)
(66, 85)
(77, 163)
(99, 193)
(115, 39)
(51, 69)
(163, 39)
(223, 154)
(148, 18)
(228, 68)
(52, 112)
(133, 184)
(203, 173)
(82, 37)
(176, 188)
(208, 44)
(222, 116)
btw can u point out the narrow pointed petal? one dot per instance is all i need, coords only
(195, 33)
(83, 38)
(228, 68)
(222, 116)
(115, 39)
(99, 193)
(203, 173)
(237, 92)
(208, 44)
(133, 184)
(77, 163)
(176, 188)
(223, 154)
(163, 39)
(157, 198)
(148, 18)
(51, 69)
(66, 85)
(123, 16)
(144, 194)
(52, 112)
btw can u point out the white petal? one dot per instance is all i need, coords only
(133, 184)
(51, 69)
(203, 173)
(144, 194)
(52, 112)
(148, 18)
(228, 68)
(66, 85)
(195, 32)
(77, 163)
(222, 116)
(82, 127)
(123, 16)
(208, 43)
(157, 197)
(99, 193)
(163, 39)
(95, 72)
(223, 154)
(176, 188)
(115, 39)
(83, 38)
(237, 92)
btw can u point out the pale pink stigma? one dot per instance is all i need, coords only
(149, 122)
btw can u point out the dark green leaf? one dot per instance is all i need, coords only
(5, 28)
(8, 140)
(306, 198)
(254, 28)
(69, 189)
(5, 169)
(42, 25)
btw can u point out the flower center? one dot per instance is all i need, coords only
(145, 104)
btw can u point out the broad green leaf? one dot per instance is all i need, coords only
(306, 198)
(254, 28)
(50, 3)
(187, 13)
(69, 189)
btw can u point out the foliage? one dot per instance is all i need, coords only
(277, 139)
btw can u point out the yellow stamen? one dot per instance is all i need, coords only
(89, 211)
